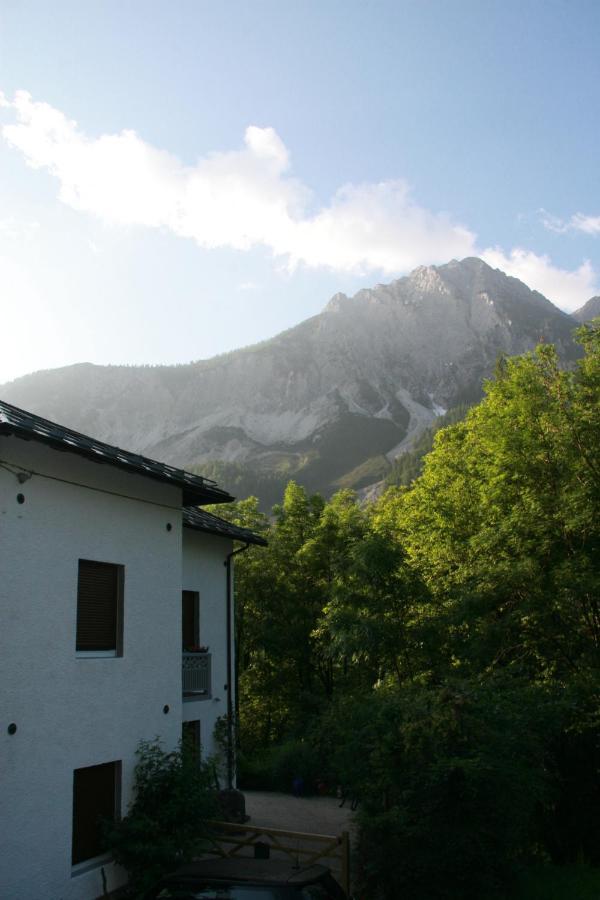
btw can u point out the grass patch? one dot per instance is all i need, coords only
(373, 469)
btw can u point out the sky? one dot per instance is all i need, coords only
(179, 179)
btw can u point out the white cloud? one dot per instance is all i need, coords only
(552, 223)
(588, 224)
(247, 197)
(15, 229)
(577, 222)
(380, 227)
(236, 199)
(568, 289)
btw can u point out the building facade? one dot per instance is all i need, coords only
(114, 629)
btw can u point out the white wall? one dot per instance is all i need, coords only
(204, 571)
(77, 712)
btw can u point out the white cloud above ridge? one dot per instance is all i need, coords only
(587, 224)
(236, 199)
(15, 229)
(578, 222)
(568, 289)
(246, 198)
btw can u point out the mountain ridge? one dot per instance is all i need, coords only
(354, 383)
(588, 311)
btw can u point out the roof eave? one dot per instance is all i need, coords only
(197, 497)
(250, 538)
(191, 494)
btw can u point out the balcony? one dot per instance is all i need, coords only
(196, 676)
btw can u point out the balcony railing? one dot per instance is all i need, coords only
(195, 671)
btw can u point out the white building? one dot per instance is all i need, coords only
(105, 580)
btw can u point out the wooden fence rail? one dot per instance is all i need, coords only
(230, 839)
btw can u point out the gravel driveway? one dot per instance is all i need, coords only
(320, 815)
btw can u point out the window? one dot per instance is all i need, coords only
(96, 797)
(190, 619)
(190, 737)
(99, 609)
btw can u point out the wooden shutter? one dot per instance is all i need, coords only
(98, 591)
(95, 798)
(189, 618)
(190, 735)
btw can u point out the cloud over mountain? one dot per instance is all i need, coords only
(564, 287)
(238, 199)
(248, 197)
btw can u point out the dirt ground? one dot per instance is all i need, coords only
(312, 815)
(320, 815)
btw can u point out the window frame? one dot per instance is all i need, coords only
(120, 585)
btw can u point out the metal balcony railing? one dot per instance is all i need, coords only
(195, 671)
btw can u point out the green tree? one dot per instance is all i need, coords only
(503, 523)
(373, 597)
(277, 606)
(438, 651)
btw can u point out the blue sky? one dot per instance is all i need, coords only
(179, 179)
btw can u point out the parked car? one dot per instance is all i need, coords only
(247, 879)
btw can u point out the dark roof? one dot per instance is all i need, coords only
(29, 427)
(200, 520)
(251, 871)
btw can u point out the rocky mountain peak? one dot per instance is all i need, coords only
(428, 279)
(336, 303)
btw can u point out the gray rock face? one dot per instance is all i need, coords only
(348, 385)
(588, 311)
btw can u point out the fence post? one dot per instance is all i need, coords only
(346, 862)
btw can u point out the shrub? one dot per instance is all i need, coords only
(166, 822)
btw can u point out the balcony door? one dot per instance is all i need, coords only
(190, 619)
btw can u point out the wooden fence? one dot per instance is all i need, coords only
(302, 848)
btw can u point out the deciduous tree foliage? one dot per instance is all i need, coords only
(503, 525)
(438, 651)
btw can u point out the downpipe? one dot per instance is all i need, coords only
(230, 745)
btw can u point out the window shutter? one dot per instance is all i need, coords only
(97, 605)
(190, 735)
(95, 798)
(189, 618)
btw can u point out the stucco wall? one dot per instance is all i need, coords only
(204, 571)
(74, 712)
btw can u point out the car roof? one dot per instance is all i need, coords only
(252, 871)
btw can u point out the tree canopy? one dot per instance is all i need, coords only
(438, 650)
